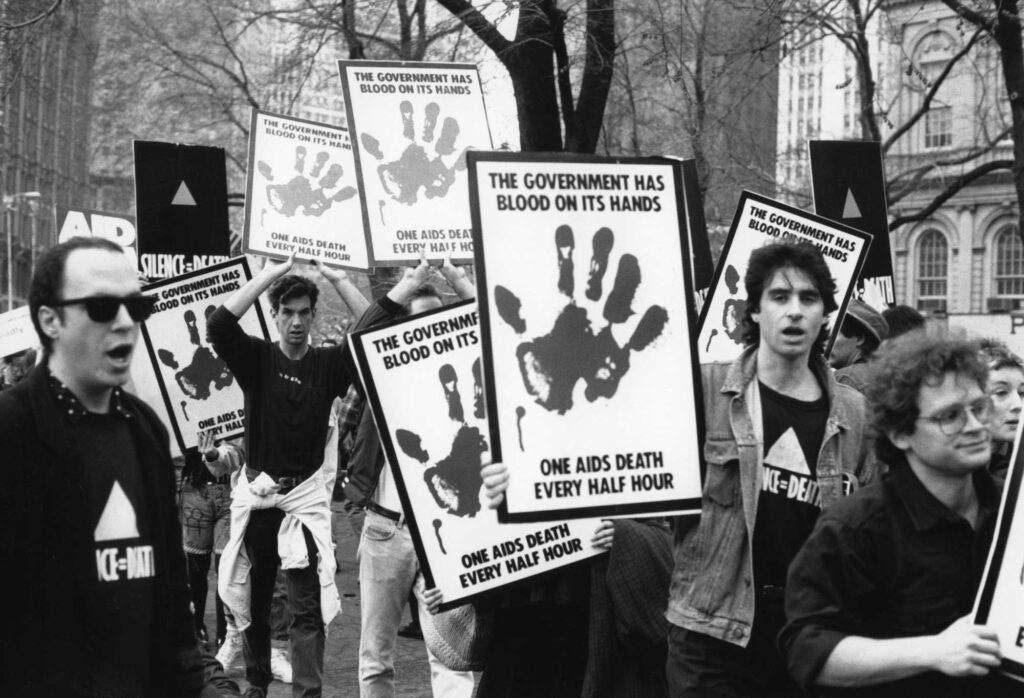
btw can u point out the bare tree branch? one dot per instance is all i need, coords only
(951, 190)
(5, 26)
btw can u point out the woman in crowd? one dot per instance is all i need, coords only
(1006, 388)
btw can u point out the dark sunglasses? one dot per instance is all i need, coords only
(104, 308)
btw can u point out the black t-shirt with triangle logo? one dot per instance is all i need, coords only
(789, 502)
(122, 596)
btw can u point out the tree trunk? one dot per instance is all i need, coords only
(597, 77)
(530, 64)
(356, 49)
(1011, 52)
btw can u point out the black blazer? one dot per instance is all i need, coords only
(46, 551)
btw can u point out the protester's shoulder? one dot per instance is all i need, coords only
(850, 398)
(854, 375)
(220, 316)
(14, 408)
(223, 324)
(860, 508)
(716, 371)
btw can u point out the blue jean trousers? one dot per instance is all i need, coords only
(387, 571)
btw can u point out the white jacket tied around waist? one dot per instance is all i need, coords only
(306, 505)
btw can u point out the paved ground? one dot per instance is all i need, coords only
(341, 659)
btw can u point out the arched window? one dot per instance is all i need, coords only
(932, 265)
(1009, 274)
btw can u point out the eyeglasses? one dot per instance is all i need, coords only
(953, 420)
(104, 308)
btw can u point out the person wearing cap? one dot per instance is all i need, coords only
(863, 329)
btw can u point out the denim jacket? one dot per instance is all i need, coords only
(712, 588)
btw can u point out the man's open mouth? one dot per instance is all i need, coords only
(120, 352)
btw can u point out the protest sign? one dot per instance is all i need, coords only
(585, 313)
(19, 346)
(73, 221)
(411, 124)
(181, 204)
(198, 389)
(1008, 328)
(424, 383)
(761, 221)
(300, 193)
(848, 185)
(1000, 601)
(145, 385)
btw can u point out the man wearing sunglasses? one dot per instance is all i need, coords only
(877, 600)
(89, 524)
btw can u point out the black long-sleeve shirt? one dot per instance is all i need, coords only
(287, 402)
(890, 561)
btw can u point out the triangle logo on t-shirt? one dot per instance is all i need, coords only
(787, 454)
(118, 519)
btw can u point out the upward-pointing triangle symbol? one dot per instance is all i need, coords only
(850, 208)
(787, 454)
(118, 519)
(183, 197)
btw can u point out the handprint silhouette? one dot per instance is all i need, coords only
(735, 307)
(552, 364)
(454, 481)
(205, 370)
(416, 169)
(300, 192)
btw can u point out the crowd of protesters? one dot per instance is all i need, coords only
(847, 509)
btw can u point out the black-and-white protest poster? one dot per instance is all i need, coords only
(762, 221)
(585, 309)
(181, 207)
(1000, 601)
(848, 185)
(424, 381)
(74, 221)
(145, 385)
(198, 389)
(411, 124)
(301, 193)
(19, 346)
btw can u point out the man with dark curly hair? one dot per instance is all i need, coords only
(783, 441)
(878, 598)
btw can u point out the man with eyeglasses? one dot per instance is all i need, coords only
(88, 524)
(877, 600)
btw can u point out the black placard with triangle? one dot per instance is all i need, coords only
(181, 207)
(848, 181)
